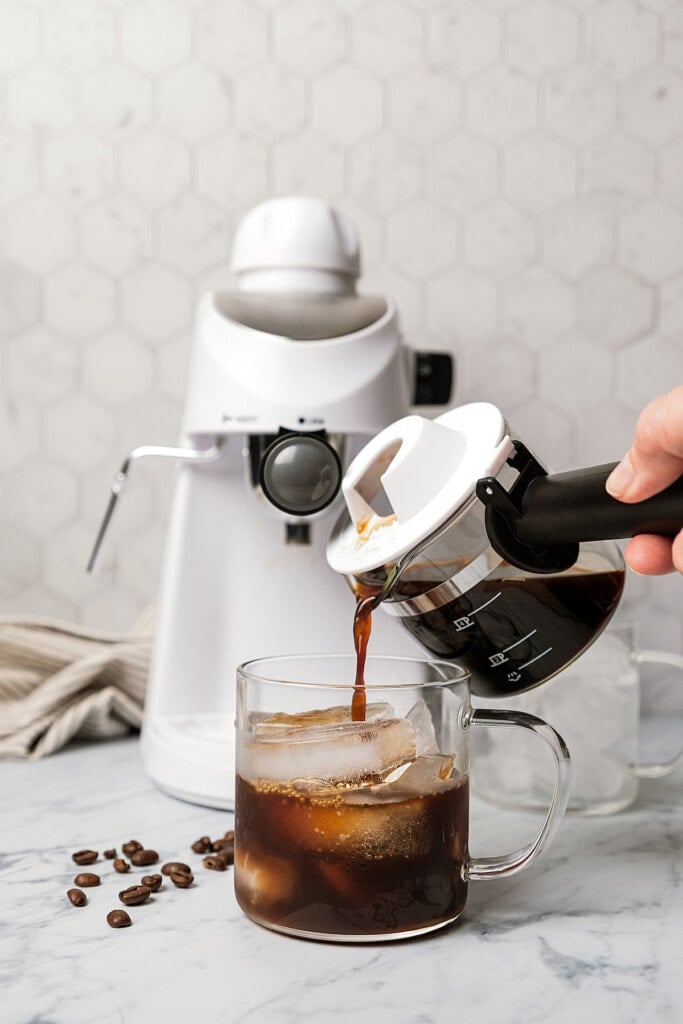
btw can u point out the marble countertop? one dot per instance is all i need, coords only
(590, 933)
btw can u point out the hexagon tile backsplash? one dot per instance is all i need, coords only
(515, 168)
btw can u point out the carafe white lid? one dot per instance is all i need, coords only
(428, 470)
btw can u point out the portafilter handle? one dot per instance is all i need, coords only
(539, 523)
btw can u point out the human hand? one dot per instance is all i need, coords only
(654, 460)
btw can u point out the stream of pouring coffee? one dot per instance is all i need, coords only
(362, 627)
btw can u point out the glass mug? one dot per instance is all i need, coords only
(358, 831)
(595, 703)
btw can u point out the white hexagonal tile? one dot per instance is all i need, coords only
(308, 163)
(78, 34)
(117, 367)
(389, 282)
(308, 36)
(194, 102)
(548, 431)
(579, 104)
(139, 558)
(269, 102)
(78, 431)
(618, 171)
(605, 432)
(539, 172)
(461, 171)
(41, 496)
(155, 35)
(437, 234)
(424, 105)
(385, 171)
(116, 100)
(651, 241)
(19, 560)
(652, 105)
(673, 38)
(622, 37)
(671, 173)
(78, 168)
(41, 99)
(192, 235)
(65, 560)
(152, 420)
(537, 307)
(358, 115)
(386, 37)
(20, 300)
(19, 35)
(498, 239)
(141, 158)
(647, 368)
(671, 307)
(232, 36)
(40, 234)
(462, 38)
(116, 235)
(133, 510)
(542, 36)
(79, 301)
(502, 104)
(614, 306)
(41, 366)
(502, 373)
(574, 373)
(578, 236)
(19, 436)
(115, 608)
(461, 306)
(19, 167)
(156, 302)
(174, 367)
(233, 168)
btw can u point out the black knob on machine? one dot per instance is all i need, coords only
(433, 378)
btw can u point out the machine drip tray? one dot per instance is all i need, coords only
(192, 756)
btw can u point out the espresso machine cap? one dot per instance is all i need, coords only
(429, 471)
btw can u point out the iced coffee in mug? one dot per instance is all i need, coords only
(358, 830)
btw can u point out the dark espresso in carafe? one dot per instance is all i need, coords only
(512, 632)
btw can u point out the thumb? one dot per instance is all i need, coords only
(655, 459)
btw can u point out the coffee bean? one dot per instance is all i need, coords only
(202, 845)
(227, 856)
(182, 879)
(118, 919)
(214, 863)
(109, 854)
(87, 879)
(176, 865)
(121, 866)
(153, 882)
(77, 897)
(142, 858)
(85, 856)
(131, 847)
(134, 895)
(222, 844)
(230, 836)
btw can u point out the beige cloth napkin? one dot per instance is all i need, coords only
(60, 682)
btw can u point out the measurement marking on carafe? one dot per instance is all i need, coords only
(486, 604)
(518, 642)
(541, 655)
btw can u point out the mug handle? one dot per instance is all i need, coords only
(510, 863)
(656, 769)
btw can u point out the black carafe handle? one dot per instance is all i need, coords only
(538, 524)
(567, 507)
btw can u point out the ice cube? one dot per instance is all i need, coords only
(342, 753)
(282, 724)
(424, 776)
(420, 718)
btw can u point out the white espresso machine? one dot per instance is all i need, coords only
(291, 373)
